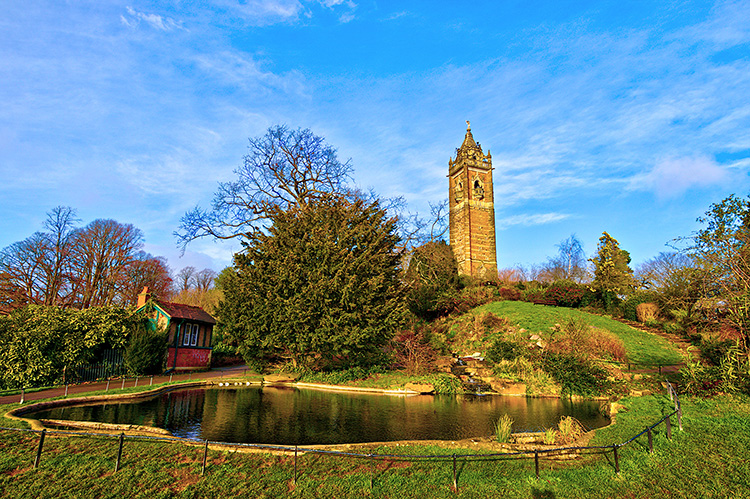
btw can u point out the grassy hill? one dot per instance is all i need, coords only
(641, 347)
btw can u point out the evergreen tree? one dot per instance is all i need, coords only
(612, 275)
(321, 286)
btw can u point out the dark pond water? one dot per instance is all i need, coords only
(291, 416)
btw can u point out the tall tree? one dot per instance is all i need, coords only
(145, 270)
(722, 251)
(569, 264)
(322, 284)
(185, 278)
(103, 252)
(284, 169)
(612, 275)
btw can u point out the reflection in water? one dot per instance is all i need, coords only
(290, 416)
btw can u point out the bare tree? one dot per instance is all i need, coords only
(185, 278)
(102, 253)
(569, 263)
(204, 280)
(145, 270)
(61, 224)
(284, 168)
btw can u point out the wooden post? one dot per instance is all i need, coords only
(66, 390)
(536, 462)
(136, 382)
(669, 427)
(123, 383)
(650, 441)
(205, 456)
(107, 385)
(151, 383)
(119, 452)
(679, 415)
(23, 395)
(617, 460)
(455, 480)
(295, 465)
(39, 449)
(170, 377)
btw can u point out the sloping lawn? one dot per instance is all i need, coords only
(641, 347)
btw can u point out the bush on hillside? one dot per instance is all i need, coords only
(630, 305)
(146, 353)
(565, 293)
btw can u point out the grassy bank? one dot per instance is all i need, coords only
(708, 459)
(641, 347)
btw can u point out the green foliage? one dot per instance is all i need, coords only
(432, 275)
(504, 350)
(612, 276)
(730, 375)
(575, 376)
(37, 342)
(320, 287)
(634, 299)
(714, 350)
(565, 293)
(503, 429)
(146, 351)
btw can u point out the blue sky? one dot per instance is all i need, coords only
(625, 117)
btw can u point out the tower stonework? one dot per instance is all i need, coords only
(472, 209)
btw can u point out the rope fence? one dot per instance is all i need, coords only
(453, 458)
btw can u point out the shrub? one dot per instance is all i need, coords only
(565, 293)
(714, 349)
(503, 428)
(549, 436)
(504, 350)
(146, 352)
(511, 294)
(629, 306)
(575, 376)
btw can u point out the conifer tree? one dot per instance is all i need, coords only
(612, 275)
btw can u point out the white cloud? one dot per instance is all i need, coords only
(155, 21)
(529, 220)
(672, 177)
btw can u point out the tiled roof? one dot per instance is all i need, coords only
(180, 311)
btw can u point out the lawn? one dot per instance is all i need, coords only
(641, 347)
(707, 459)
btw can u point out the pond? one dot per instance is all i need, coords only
(291, 416)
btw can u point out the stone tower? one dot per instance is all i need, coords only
(472, 209)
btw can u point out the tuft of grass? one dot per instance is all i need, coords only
(550, 435)
(569, 430)
(503, 428)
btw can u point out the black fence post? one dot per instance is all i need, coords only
(536, 462)
(39, 449)
(205, 457)
(679, 414)
(617, 460)
(650, 441)
(669, 428)
(455, 479)
(119, 452)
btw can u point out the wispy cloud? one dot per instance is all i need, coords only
(531, 219)
(133, 18)
(673, 177)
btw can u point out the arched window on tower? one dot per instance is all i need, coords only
(478, 189)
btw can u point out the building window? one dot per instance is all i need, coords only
(194, 338)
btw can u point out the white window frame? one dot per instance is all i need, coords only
(194, 339)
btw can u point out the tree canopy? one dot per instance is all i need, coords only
(283, 169)
(612, 275)
(321, 286)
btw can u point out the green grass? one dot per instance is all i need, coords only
(708, 459)
(641, 347)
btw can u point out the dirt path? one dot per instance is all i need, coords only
(117, 384)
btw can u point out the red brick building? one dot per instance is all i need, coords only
(189, 332)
